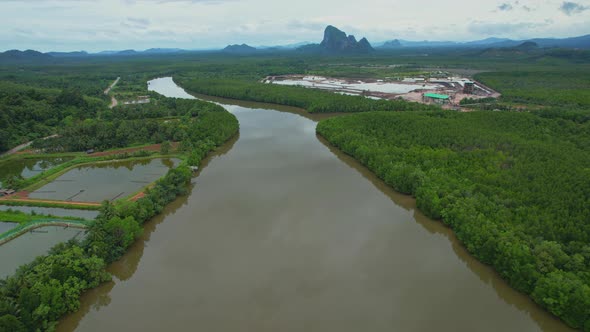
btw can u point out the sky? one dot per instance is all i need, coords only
(95, 25)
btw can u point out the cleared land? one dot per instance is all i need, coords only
(411, 89)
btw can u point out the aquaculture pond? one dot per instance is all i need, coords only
(105, 181)
(6, 226)
(27, 168)
(281, 232)
(31, 244)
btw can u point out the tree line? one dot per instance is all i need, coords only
(130, 128)
(313, 100)
(567, 87)
(29, 113)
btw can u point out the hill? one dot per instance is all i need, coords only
(526, 48)
(337, 42)
(240, 49)
(67, 54)
(24, 56)
(391, 44)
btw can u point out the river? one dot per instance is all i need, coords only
(281, 232)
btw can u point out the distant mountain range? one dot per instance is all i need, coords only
(67, 54)
(19, 56)
(526, 48)
(582, 42)
(283, 47)
(335, 41)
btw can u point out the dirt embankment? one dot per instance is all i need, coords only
(153, 147)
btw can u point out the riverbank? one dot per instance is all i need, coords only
(461, 185)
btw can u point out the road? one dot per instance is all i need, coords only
(22, 147)
(114, 101)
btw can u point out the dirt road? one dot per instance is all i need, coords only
(22, 147)
(28, 200)
(108, 90)
(114, 101)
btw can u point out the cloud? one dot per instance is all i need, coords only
(516, 5)
(139, 21)
(491, 28)
(571, 8)
(207, 2)
(123, 24)
(136, 23)
(306, 25)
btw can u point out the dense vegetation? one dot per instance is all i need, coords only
(550, 78)
(314, 101)
(44, 290)
(548, 87)
(515, 188)
(160, 108)
(28, 113)
(131, 127)
(102, 135)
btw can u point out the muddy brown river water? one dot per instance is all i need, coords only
(281, 232)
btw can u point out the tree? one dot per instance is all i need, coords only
(11, 323)
(165, 147)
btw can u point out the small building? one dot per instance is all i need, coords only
(90, 151)
(468, 87)
(436, 98)
(6, 192)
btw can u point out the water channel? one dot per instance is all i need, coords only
(281, 232)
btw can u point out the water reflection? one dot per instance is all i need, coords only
(125, 268)
(28, 167)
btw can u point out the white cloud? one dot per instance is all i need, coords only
(95, 25)
(505, 7)
(571, 8)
